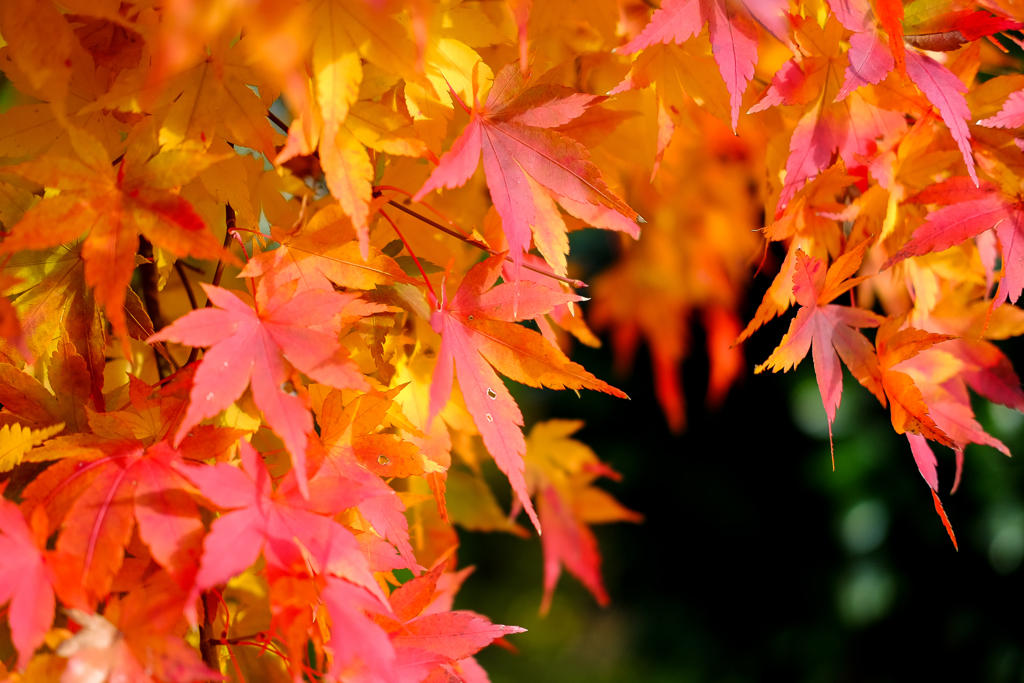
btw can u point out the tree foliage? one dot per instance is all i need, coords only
(254, 338)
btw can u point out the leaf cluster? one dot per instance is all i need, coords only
(267, 265)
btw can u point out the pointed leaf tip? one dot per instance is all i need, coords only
(945, 520)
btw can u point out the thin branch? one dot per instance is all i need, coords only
(240, 640)
(150, 289)
(189, 266)
(411, 253)
(206, 648)
(480, 245)
(180, 269)
(229, 234)
(274, 119)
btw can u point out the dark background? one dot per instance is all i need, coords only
(756, 561)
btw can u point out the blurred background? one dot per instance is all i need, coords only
(756, 561)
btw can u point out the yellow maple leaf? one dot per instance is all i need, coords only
(16, 441)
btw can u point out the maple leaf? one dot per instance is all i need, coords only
(262, 345)
(1010, 116)
(871, 60)
(205, 98)
(426, 634)
(450, 58)
(561, 470)
(682, 75)
(979, 211)
(323, 253)
(25, 578)
(16, 441)
(829, 328)
(849, 126)
(274, 522)
(355, 456)
(114, 205)
(909, 411)
(732, 30)
(944, 374)
(514, 131)
(29, 128)
(53, 296)
(118, 482)
(27, 402)
(141, 646)
(478, 331)
(345, 31)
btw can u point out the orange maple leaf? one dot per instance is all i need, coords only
(113, 205)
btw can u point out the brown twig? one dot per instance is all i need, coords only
(189, 266)
(207, 648)
(180, 269)
(150, 288)
(274, 119)
(229, 235)
(480, 245)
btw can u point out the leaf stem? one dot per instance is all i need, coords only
(480, 245)
(238, 669)
(409, 249)
(391, 188)
(241, 640)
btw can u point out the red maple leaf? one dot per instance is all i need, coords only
(514, 131)
(829, 123)
(286, 330)
(25, 579)
(478, 331)
(279, 523)
(109, 481)
(733, 33)
(427, 636)
(829, 328)
(1010, 116)
(977, 211)
(872, 58)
